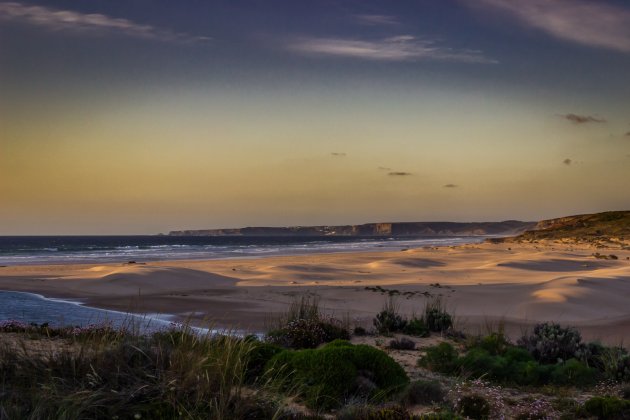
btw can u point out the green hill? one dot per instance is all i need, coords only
(610, 226)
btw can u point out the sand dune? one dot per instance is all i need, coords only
(522, 284)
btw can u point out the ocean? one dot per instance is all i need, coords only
(29, 250)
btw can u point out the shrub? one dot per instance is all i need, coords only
(388, 320)
(423, 392)
(551, 343)
(326, 376)
(402, 344)
(307, 333)
(573, 372)
(441, 358)
(359, 331)
(258, 356)
(495, 343)
(477, 399)
(474, 407)
(607, 408)
(416, 327)
(298, 334)
(436, 317)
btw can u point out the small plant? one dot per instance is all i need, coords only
(477, 400)
(416, 327)
(402, 344)
(539, 409)
(474, 407)
(388, 320)
(551, 343)
(359, 331)
(423, 392)
(607, 408)
(435, 316)
(441, 358)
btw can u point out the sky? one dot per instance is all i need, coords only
(144, 116)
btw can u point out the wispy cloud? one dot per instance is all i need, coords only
(397, 48)
(400, 174)
(567, 162)
(582, 119)
(587, 22)
(450, 186)
(338, 154)
(68, 20)
(384, 168)
(377, 20)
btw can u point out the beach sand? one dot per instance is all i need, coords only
(482, 284)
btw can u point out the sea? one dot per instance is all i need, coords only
(34, 250)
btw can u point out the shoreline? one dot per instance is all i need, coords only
(517, 284)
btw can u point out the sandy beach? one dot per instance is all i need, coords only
(482, 284)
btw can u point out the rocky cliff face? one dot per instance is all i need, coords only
(612, 226)
(510, 227)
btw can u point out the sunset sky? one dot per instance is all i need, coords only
(144, 116)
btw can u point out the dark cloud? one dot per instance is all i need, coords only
(338, 154)
(450, 186)
(383, 168)
(399, 174)
(567, 161)
(582, 119)
(628, 134)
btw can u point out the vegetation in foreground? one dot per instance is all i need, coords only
(307, 368)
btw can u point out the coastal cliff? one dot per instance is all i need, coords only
(599, 228)
(509, 227)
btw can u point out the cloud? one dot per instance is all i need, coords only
(628, 134)
(567, 162)
(582, 119)
(397, 48)
(586, 22)
(383, 168)
(338, 154)
(450, 186)
(376, 19)
(400, 174)
(58, 20)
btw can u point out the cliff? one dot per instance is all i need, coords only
(510, 227)
(611, 226)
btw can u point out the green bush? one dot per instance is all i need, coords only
(551, 343)
(387, 322)
(307, 333)
(574, 373)
(495, 344)
(416, 327)
(423, 392)
(607, 408)
(326, 376)
(441, 358)
(258, 356)
(474, 407)
(513, 366)
(435, 316)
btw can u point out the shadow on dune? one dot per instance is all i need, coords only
(556, 265)
(418, 262)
